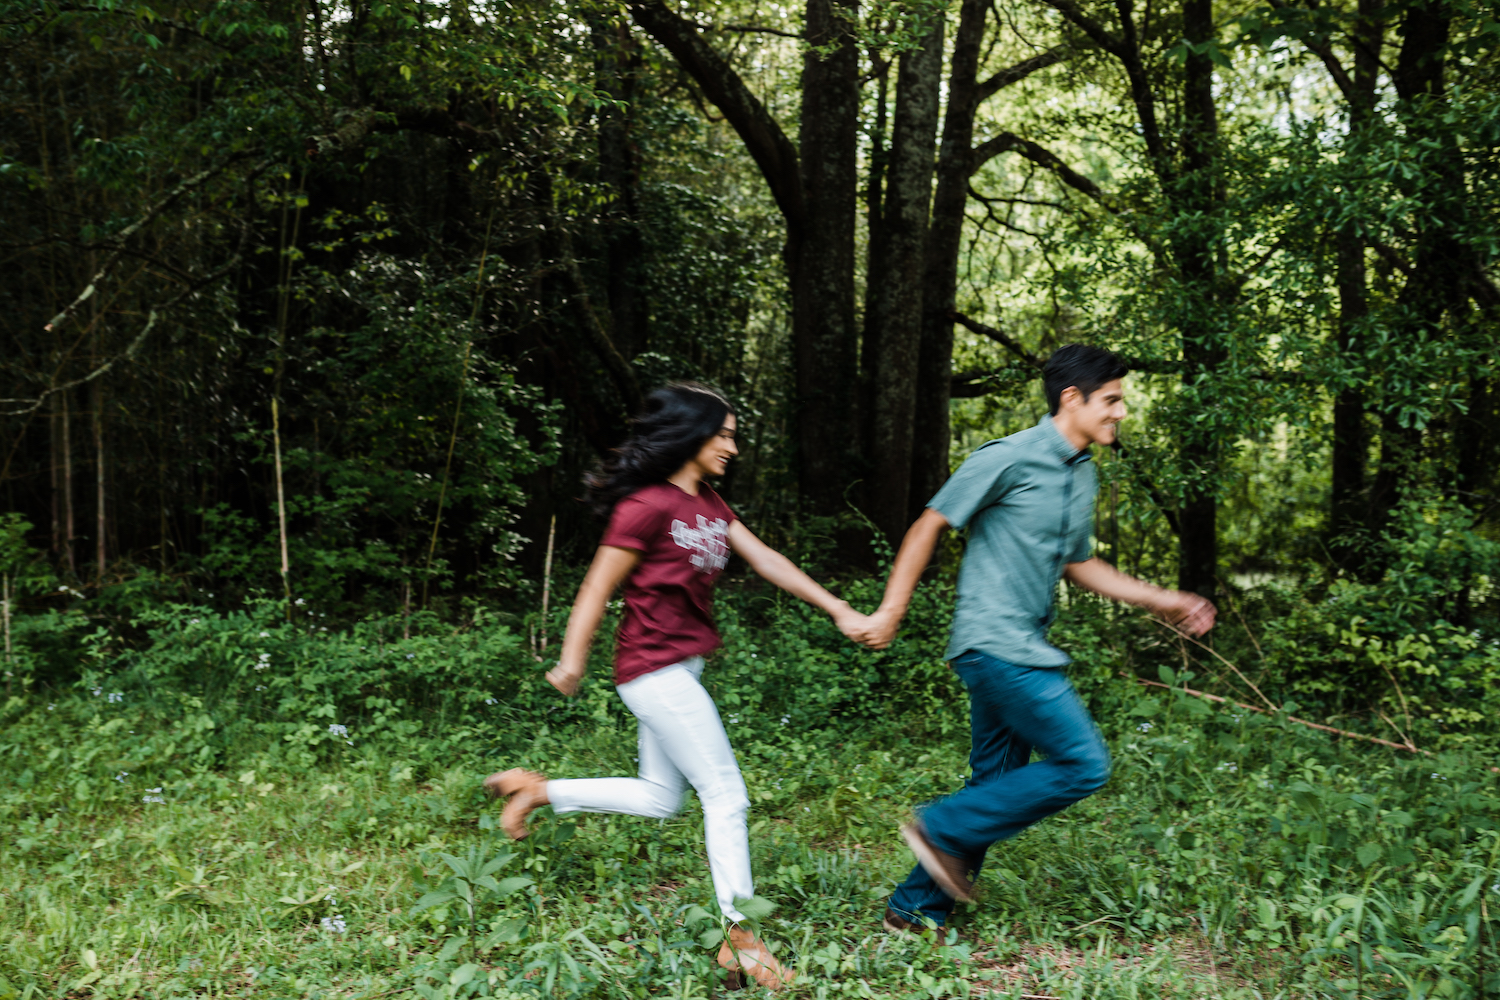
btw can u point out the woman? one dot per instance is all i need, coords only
(669, 537)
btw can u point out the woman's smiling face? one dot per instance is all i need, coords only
(713, 458)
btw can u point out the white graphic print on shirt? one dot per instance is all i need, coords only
(708, 543)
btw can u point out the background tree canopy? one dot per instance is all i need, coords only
(395, 273)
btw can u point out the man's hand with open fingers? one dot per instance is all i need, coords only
(1187, 612)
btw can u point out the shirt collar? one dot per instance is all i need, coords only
(1058, 446)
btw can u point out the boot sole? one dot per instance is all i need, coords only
(928, 857)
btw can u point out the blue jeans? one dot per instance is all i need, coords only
(1012, 709)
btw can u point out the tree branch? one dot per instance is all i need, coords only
(998, 337)
(1009, 142)
(768, 145)
(1125, 48)
(757, 30)
(183, 187)
(1021, 70)
(1331, 62)
(599, 337)
(130, 351)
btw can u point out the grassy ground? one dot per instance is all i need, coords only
(193, 818)
(272, 883)
(280, 884)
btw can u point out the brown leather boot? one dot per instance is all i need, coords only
(526, 790)
(948, 871)
(745, 954)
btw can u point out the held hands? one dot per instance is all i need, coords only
(875, 631)
(1187, 612)
(850, 622)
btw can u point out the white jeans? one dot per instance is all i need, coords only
(682, 742)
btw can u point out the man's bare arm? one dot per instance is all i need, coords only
(1188, 612)
(916, 552)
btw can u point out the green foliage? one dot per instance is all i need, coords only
(301, 803)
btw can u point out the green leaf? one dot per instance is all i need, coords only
(505, 932)
(496, 863)
(435, 898)
(755, 907)
(510, 885)
(1368, 854)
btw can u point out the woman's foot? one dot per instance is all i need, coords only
(526, 790)
(744, 954)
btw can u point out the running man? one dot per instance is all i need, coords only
(1027, 502)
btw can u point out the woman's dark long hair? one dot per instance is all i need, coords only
(678, 420)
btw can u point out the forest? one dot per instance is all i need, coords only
(315, 314)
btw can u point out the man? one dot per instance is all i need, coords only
(1027, 502)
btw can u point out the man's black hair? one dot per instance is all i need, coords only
(1079, 365)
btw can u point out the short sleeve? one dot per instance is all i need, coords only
(724, 508)
(1082, 548)
(981, 481)
(633, 524)
(1083, 551)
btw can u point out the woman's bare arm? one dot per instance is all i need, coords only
(784, 573)
(609, 569)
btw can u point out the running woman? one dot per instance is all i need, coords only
(668, 539)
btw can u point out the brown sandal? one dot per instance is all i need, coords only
(745, 954)
(526, 790)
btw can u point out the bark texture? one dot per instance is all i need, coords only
(896, 300)
(1351, 436)
(940, 272)
(1202, 344)
(820, 261)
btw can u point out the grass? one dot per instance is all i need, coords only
(305, 883)
(271, 884)
(193, 821)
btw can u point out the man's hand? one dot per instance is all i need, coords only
(880, 628)
(565, 680)
(1187, 612)
(850, 622)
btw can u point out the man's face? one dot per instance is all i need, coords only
(1099, 416)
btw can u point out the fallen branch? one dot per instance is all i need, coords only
(129, 352)
(1290, 718)
(1269, 704)
(124, 235)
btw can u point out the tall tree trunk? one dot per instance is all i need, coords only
(897, 298)
(1351, 437)
(1202, 348)
(67, 473)
(99, 508)
(54, 469)
(1439, 260)
(820, 259)
(617, 64)
(940, 274)
(877, 254)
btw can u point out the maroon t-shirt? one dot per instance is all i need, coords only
(684, 545)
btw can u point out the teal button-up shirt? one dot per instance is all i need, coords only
(1028, 503)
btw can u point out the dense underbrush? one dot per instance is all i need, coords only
(225, 801)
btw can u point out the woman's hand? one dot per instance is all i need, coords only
(878, 629)
(565, 679)
(854, 625)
